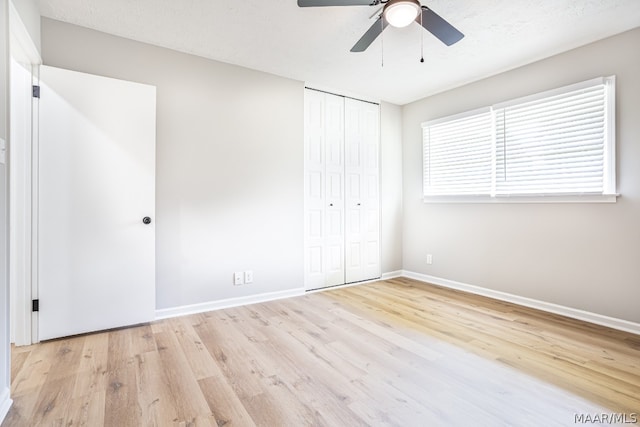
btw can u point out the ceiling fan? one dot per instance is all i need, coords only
(397, 13)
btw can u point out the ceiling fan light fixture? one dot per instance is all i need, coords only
(400, 13)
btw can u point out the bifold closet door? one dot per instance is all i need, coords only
(342, 203)
(324, 190)
(362, 196)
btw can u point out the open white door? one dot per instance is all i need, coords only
(96, 257)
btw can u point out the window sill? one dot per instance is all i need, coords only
(530, 198)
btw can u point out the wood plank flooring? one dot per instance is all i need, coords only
(395, 352)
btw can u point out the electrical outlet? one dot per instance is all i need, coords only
(237, 278)
(248, 276)
(429, 259)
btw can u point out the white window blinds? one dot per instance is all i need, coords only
(458, 155)
(559, 142)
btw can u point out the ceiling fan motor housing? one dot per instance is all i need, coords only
(400, 13)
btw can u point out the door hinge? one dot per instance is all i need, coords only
(36, 91)
(35, 305)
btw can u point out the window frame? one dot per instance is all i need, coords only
(609, 194)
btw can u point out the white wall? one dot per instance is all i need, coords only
(229, 165)
(584, 256)
(391, 186)
(5, 363)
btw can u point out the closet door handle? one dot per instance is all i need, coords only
(330, 204)
(358, 204)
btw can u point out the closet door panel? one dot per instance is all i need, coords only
(324, 190)
(314, 191)
(362, 199)
(334, 201)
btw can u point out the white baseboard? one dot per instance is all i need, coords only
(5, 403)
(184, 310)
(599, 319)
(166, 313)
(391, 275)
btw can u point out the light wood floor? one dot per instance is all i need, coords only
(394, 352)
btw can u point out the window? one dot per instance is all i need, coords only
(458, 154)
(556, 143)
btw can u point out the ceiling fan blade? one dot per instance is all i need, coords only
(372, 33)
(317, 3)
(377, 13)
(440, 28)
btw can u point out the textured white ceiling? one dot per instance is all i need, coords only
(312, 44)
